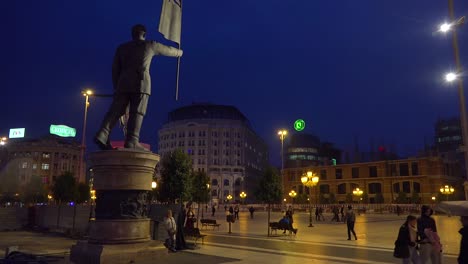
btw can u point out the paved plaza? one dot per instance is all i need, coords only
(326, 242)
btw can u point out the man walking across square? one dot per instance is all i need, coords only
(350, 220)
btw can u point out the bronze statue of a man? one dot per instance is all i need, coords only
(132, 86)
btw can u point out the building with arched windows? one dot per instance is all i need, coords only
(380, 181)
(221, 142)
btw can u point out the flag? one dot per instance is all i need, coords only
(171, 20)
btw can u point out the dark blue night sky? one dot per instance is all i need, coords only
(371, 69)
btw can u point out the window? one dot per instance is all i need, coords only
(214, 182)
(34, 166)
(414, 168)
(404, 170)
(353, 186)
(323, 174)
(45, 166)
(375, 188)
(226, 193)
(396, 187)
(406, 187)
(45, 155)
(238, 182)
(416, 187)
(393, 171)
(355, 172)
(373, 171)
(24, 165)
(341, 188)
(214, 193)
(226, 182)
(325, 188)
(339, 174)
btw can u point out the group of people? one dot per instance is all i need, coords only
(175, 229)
(419, 243)
(286, 222)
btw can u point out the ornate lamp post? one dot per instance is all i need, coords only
(242, 196)
(447, 190)
(293, 195)
(310, 180)
(229, 198)
(282, 134)
(358, 192)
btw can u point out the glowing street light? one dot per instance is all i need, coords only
(445, 27)
(282, 134)
(447, 190)
(450, 77)
(3, 141)
(310, 180)
(154, 185)
(229, 197)
(86, 93)
(293, 195)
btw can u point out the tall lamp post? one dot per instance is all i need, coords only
(450, 77)
(310, 180)
(86, 94)
(358, 192)
(447, 190)
(293, 195)
(282, 135)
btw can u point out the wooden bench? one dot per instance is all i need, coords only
(195, 233)
(209, 222)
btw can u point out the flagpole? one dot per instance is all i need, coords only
(177, 77)
(178, 59)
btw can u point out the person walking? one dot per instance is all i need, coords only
(317, 214)
(405, 245)
(350, 220)
(213, 211)
(171, 229)
(236, 212)
(251, 210)
(231, 210)
(429, 249)
(342, 214)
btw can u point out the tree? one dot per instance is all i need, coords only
(269, 189)
(64, 188)
(379, 198)
(176, 172)
(34, 191)
(349, 198)
(401, 198)
(83, 193)
(332, 198)
(415, 198)
(301, 198)
(200, 190)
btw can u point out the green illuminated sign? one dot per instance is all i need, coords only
(299, 125)
(62, 131)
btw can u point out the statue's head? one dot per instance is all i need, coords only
(138, 32)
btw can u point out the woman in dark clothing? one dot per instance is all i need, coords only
(463, 256)
(405, 245)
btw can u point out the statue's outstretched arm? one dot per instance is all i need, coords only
(160, 49)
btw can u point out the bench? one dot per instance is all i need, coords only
(195, 233)
(274, 226)
(209, 222)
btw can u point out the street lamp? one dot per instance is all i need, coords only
(154, 185)
(229, 197)
(310, 180)
(293, 195)
(86, 94)
(243, 195)
(450, 77)
(3, 141)
(452, 26)
(282, 134)
(358, 192)
(447, 190)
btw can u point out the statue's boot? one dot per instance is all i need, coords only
(133, 132)
(102, 136)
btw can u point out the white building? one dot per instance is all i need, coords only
(221, 142)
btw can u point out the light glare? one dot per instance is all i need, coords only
(445, 27)
(450, 77)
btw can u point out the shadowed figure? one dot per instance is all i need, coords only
(132, 86)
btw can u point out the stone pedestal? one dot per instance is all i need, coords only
(122, 179)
